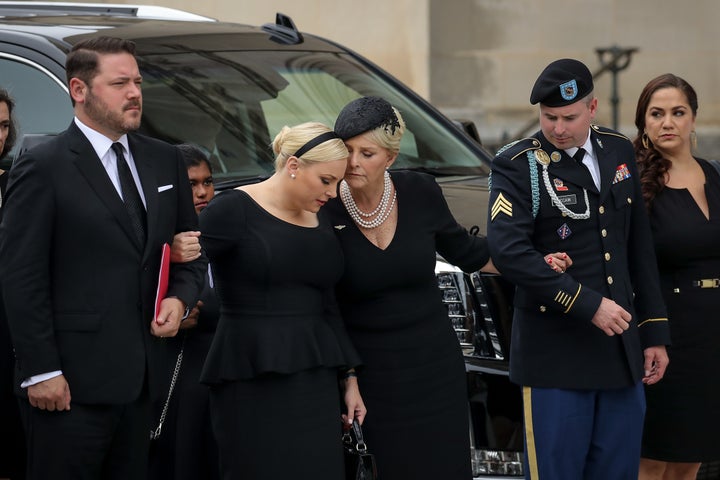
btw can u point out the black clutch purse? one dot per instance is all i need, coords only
(359, 463)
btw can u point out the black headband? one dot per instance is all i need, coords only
(323, 137)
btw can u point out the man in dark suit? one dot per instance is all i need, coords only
(585, 340)
(86, 215)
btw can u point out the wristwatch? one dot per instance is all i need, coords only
(186, 314)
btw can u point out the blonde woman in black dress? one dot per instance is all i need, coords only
(280, 343)
(683, 196)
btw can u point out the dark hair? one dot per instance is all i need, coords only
(194, 156)
(82, 61)
(12, 131)
(651, 163)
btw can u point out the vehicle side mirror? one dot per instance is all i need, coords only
(468, 126)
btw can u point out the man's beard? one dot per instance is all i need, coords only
(99, 112)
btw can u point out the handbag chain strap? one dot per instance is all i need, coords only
(154, 434)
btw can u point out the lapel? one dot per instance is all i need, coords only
(567, 168)
(607, 161)
(90, 166)
(146, 171)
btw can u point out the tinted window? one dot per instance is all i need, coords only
(234, 103)
(42, 104)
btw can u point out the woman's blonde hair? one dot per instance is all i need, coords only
(291, 140)
(388, 137)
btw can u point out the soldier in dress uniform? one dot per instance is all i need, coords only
(583, 341)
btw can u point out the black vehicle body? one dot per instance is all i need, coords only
(239, 84)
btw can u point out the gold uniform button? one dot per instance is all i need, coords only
(610, 280)
(602, 209)
(629, 200)
(607, 257)
(543, 308)
(603, 232)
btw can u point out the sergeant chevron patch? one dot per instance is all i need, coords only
(501, 205)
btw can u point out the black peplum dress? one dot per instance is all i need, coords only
(413, 375)
(273, 363)
(683, 410)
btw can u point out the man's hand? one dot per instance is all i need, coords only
(185, 247)
(168, 320)
(611, 318)
(656, 361)
(52, 394)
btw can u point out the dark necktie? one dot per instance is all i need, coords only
(579, 155)
(131, 197)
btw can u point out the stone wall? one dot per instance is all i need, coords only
(478, 59)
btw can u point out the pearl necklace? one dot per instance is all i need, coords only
(382, 211)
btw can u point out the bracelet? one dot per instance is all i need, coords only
(348, 374)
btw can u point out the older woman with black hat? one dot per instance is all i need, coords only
(390, 226)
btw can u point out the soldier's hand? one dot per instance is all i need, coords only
(611, 318)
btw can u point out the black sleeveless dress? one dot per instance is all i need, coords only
(683, 409)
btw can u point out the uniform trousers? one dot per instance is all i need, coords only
(583, 434)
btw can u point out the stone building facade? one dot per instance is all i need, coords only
(478, 59)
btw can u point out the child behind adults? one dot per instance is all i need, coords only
(186, 448)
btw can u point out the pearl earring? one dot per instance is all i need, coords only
(292, 175)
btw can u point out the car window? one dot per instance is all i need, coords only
(42, 104)
(234, 103)
(293, 105)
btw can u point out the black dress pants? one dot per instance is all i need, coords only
(88, 442)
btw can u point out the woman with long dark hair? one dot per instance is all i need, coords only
(682, 193)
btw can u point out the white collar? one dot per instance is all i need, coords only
(100, 143)
(587, 146)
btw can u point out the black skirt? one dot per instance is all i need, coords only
(279, 426)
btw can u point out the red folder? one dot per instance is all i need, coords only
(163, 278)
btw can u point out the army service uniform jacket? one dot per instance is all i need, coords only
(554, 342)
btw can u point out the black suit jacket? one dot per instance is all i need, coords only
(554, 343)
(79, 291)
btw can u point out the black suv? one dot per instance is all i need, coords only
(230, 88)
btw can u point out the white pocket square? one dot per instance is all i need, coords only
(164, 187)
